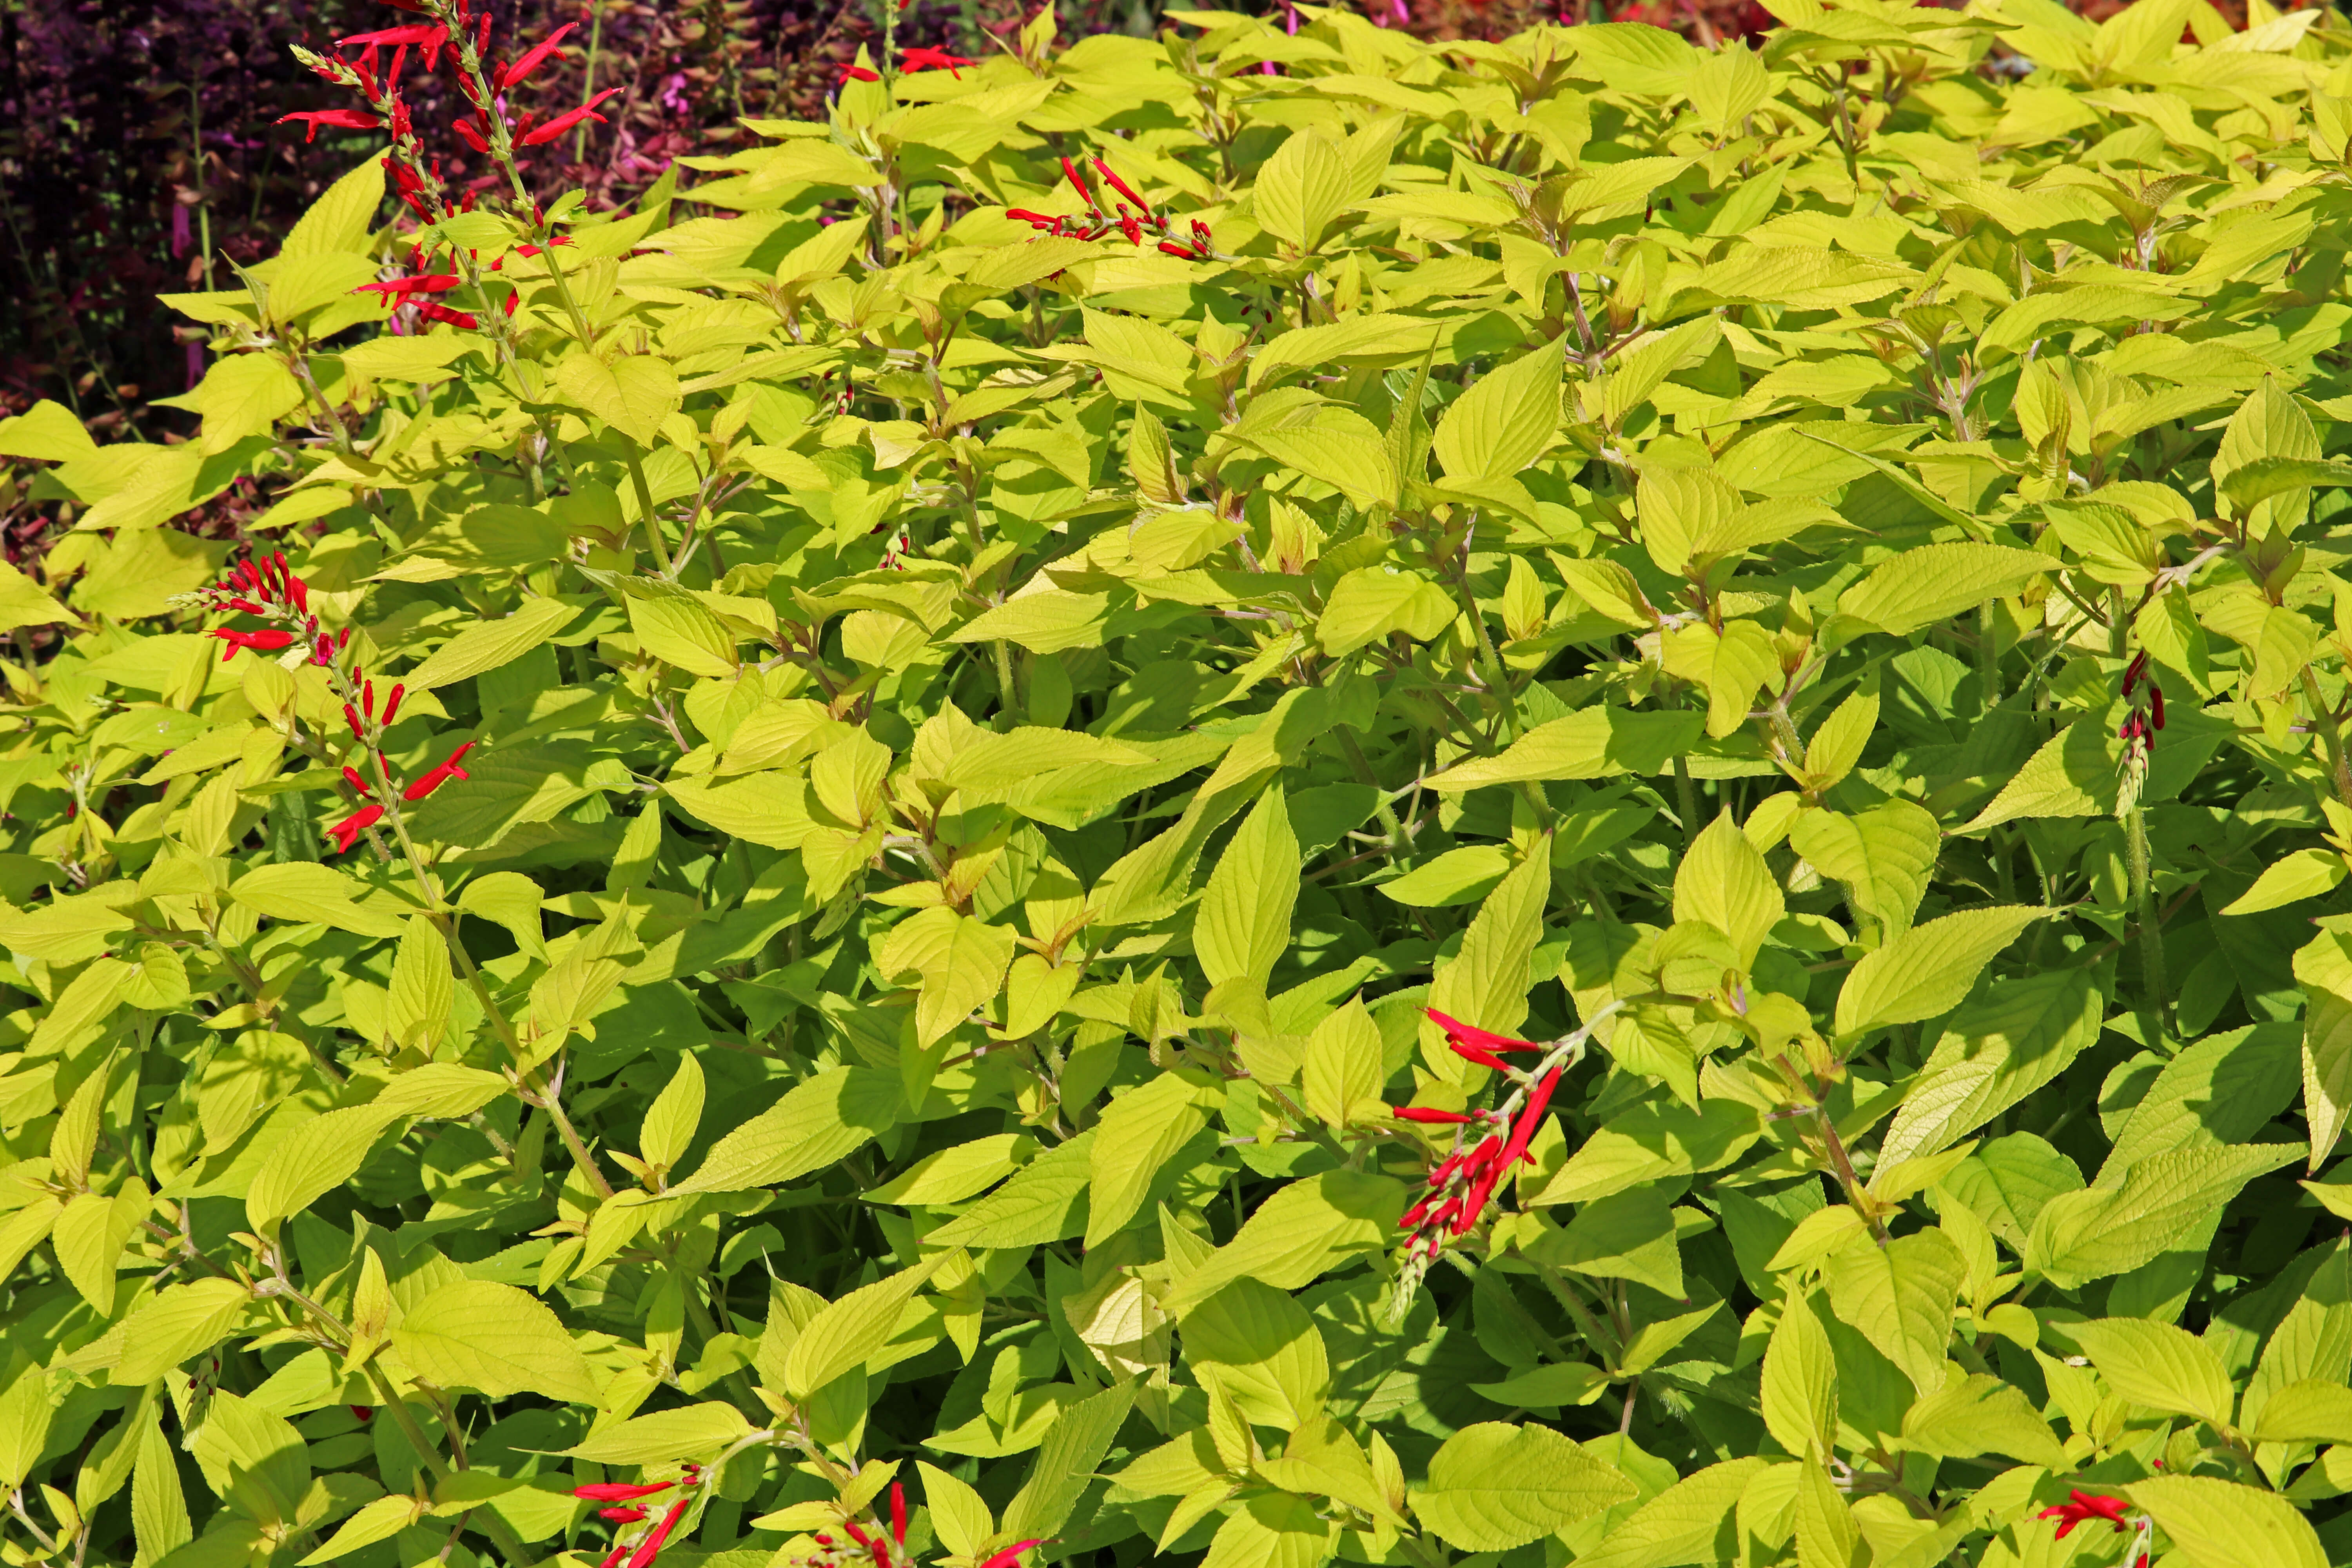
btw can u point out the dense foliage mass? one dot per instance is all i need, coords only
(1271, 794)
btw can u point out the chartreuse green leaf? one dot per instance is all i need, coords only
(495, 1338)
(2158, 1365)
(2214, 1522)
(1925, 970)
(1493, 1487)
(1800, 1382)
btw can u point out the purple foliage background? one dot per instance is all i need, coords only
(104, 104)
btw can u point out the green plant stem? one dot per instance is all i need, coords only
(1842, 1163)
(1988, 656)
(197, 167)
(588, 76)
(646, 515)
(2323, 719)
(1687, 800)
(2150, 924)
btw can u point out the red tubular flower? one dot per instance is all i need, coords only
(348, 119)
(352, 776)
(859, 73)
(432, 283)
(418, 33)
(347, 832)
(247, 606)
(923, 58)
(630, 1514)
(433, 312)
(620, 1491)
(520, 72)
(468, 133)
(1172, 247)
(613, 1558)
(1461, 1033)
(1411, 1219)
(1121, 186)
(352, 714)
(430, 781)
(2156, 703)
(1131, 227)
(1431, 1116)
(259, 642)
(1078, 183)
(1011, 1554)
(1530, 1119)
(650, 1547)
(367, 698)
(856, 1534)
(392, 705)
(2081, 1507)
(563, 122)
(898, 1513)
(364, 1412)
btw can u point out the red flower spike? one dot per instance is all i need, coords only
(439, 776)
(898, 1513)
(259, 642)
(859, 73)
(2082, 1507)
(1011, 1554)
(1430, 1117)
(392, 705)
(347, 118)
(563, 122)
(650, 1548)
(620, 1491)
(515, 74)
(347, 832)
(1121, 186)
